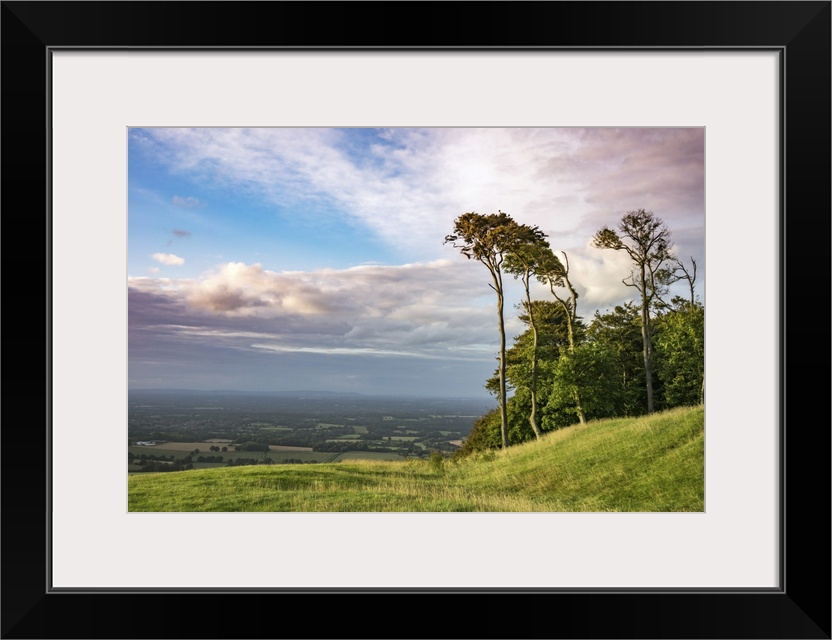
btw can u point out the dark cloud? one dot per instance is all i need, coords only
(181, 233)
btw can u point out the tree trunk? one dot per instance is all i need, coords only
(503, 412)
(533, 414)
(648, 358)
(579, 408)
(647, 338)
(570, 317)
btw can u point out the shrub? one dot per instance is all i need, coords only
(437, 462)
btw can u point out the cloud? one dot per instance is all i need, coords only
(405, 186)
(437, 309)
(181, 233)
(168, 259)
(188, 203)
(440, 309)
(153, 269)
(340, 351)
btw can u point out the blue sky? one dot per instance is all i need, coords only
(280, 259)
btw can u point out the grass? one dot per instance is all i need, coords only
(277, 454)
(647, 464)
(366, 455)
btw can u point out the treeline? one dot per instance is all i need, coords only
(642, 356)
(162, 466)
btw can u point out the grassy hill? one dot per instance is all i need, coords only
(652, 463)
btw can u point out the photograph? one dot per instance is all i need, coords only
(416, 319)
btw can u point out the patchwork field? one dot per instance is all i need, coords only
(322, 429)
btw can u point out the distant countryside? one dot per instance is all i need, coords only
(175, 431)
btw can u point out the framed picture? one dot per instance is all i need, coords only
(78, 77)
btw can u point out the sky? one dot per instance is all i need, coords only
(283, 259)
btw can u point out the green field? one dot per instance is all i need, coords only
(366, 455)
(276, 456)
(646, 464)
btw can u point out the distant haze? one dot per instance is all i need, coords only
(284, 259)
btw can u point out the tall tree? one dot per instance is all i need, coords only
(646, 240)
(555, 273)
(524, 262)
(488, 238)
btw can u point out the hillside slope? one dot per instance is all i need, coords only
(651, 463)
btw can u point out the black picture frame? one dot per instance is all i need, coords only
(799, 31)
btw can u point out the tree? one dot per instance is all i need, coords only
(680, 353)
(683, 273)
(646, 240)
(556, 274)
(488, 238)
(484, 435)
(619, 333)
(524, 262)
(589, 367)
(551, 344)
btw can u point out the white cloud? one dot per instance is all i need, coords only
(339, 351)
(405, 187)
(168, 259)
(188, 203)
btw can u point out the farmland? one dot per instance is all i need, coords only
(188, 429)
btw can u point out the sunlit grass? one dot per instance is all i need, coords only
(652, 463)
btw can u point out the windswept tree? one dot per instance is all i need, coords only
(524, 262)
(555, 273)
(646, 240)
(489, 238)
